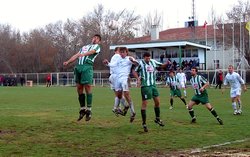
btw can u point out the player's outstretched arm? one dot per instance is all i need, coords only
(72, 59)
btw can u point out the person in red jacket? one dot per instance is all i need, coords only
(48, 80)
(219, 79)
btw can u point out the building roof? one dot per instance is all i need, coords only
(180, 34)
(159, 44)
(186, 36)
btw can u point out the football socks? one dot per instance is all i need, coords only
(89, 100)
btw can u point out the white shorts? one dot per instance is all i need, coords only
(122, 84)
(235, 92)
(182, 85)
(112, 79)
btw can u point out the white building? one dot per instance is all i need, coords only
(202, 44)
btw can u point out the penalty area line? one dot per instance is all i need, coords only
(203, 149)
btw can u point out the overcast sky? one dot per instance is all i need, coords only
(29, 14)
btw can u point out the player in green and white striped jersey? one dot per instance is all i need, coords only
(174, 84)
(84, 74)
(199, 84)
(147, 72)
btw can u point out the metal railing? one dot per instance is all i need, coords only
(100, 78)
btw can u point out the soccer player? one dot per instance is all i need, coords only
(83, 72)
(145, 73)
(124, 65)
(199, 84)
(183, 80)
(113, 78)
(174, 84)
(235, 80)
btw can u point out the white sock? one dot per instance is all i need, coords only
(239, 105)
(117, 101)
(132, 109)
(123, 102)
(234, 106)
(185, 92)
(83, 108)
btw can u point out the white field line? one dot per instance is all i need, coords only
(203, 149)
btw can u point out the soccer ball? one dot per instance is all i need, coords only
(113, 25)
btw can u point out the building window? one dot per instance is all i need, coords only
(188, 53)
(182, 53)
(174, 54)
(139, 55)
(168, 54)
(217, 64)
(194, 53)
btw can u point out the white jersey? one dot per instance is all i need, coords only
(123, 70)
(124, 67)
(234, 80)
(182, 77)
(113, 63)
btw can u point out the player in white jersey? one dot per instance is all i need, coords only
(183, 80)
(124, 65)
(112, 78)
(235, 80)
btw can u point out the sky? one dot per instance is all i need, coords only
(25, 15)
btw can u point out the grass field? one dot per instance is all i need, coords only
(40, 121)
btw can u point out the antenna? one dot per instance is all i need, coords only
(192, 23)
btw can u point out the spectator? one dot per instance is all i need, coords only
(64, 79)
(219, 79)
(48, 80)
(162, 58)
(1, 80)
(22, 80)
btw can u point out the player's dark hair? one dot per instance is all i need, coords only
(123, 49)
(117, 48)
(171, 71)
(195, 68)
(98, 36)
(146, 54)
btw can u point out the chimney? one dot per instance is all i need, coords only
(154, 32)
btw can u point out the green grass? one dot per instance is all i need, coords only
(41, 121)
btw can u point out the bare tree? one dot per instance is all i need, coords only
(45, 49)
(151, 19)
(240, 14)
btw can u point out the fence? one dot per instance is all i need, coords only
(100, 78)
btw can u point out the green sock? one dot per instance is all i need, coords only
(214, 112)
(143, 116)
(81, 99)
(183, 100)
(157, 112)
(89, 100)
(171, 101)
(191, 112)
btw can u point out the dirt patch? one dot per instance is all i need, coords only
(4, 132)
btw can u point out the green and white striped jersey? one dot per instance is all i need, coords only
(147, 72)
(173, 82)
(197, 82)
(91, 58)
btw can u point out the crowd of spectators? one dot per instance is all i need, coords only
(173, 65)
(8, 81)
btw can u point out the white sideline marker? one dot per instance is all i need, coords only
(203, 149)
